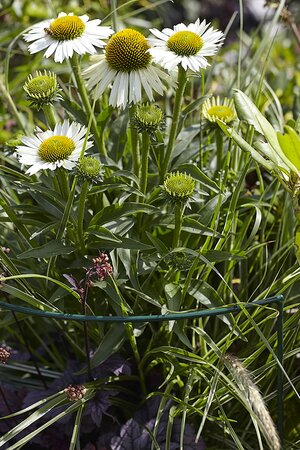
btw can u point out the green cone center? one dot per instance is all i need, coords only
(149, 114)
(185, 43)
(41, 85)
(126, 51)
(66, 28)
(220, 111)
(89, 166)
(56, 148)
(179, 185)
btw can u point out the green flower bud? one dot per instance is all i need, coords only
(179, 186)
(42, 89)
(148, 118)
(90, 169)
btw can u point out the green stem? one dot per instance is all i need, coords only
(12, 106)
(85, 332)
(134, 145)
(114, 15)
(63, 182)
(297, 231)
(86, 103)
(145, 157)
(80, 213)
(132, 340)
(49, 115)
(178, 222)
(219, 143)
(174, 126)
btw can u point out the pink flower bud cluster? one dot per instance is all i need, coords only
(75, 393)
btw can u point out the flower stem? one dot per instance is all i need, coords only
(114, 15)
(85, 331)
(80, 213)
(86, 103)
(132, 341)
(219, 143)
(63, 182)
(178, 222)
(49, 115)
(144, 167)
(174, 126)
(134, 145)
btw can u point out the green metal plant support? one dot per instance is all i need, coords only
(278, 300)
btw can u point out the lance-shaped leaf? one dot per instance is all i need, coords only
(290, 145)
(247, 111)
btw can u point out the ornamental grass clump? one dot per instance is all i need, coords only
(149, 201)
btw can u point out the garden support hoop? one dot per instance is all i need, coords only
(278, 300)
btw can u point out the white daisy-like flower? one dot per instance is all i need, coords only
(185, 45)
(127, 66)
(67, 34)
(61, 147)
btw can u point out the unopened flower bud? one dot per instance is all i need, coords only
(179, 186)
(148, 118)
(90, 169)
(75, 393)
(42, 89)
(4, 355)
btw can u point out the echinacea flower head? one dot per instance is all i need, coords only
(42, 89)
(127, 66)
(214, 109)
(61, 147)
(179, 186)
(185, 45)
(67, 34)
(90, 169)
(148, 118)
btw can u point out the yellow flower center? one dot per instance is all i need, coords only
(185, 43)
(126, 51)
(66, 28)
(56, 148)
(220, 111)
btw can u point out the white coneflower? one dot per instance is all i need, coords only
(67, 34)
(185, 45)
(243, 378)
(127, 67)
(61, 147)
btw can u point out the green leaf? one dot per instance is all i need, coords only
(193, 226)
(110, 344)
(158, 244)
(195, 172)
(115, 211)
(232, 134)
(174, 296)
(194, 105)
(290, 144)
(184, 140)
(75, 110)
(53, 248)
(30, 299)
(58, 400)
(120, 242)
(218, 256)
(247, 111)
